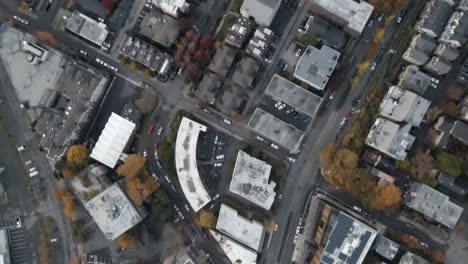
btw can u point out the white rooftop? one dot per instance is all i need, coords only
(250, 180)
(247, 232)
(112, 141)
(235, 252)
(186, 163)
(4, 251)
(94, 31)
(113, 212)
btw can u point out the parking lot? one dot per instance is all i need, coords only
(20, 247)
(295, 118)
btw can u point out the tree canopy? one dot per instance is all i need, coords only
(386, 197)
(205, 219)
(66, 198)
(449, 163)
(132, 166)
(125, 240)
(77, 155)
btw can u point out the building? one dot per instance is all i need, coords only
(172, 7)
(245, 72)
(326, 32)
(263, 11)
(456, 185)
(403, 106)
(439, 134)
(250, 180)
(239, 31)
(376, 159)
(187, 255)
(414, 80)
(460, 132)
(222, 60)
(113, 212)
(390, 138)
(131, 113)
(438, 66)
(411, 258)
(276, 130)
(290, 93)
(247, 232)
(386, 247)
(419, 50)
(113, 140)
(36, 53)
(233, 100)
(349, 241)
(186, 164)
(208, 89)
(434, 17)
(259, 42)
(463, 109)
(316, 66)
(93, 31)
(4, 248)
(455, 30)
(160, 28)
(384, 179)
(235, 251)
(433, 204)
(351, 16)
(446, 52)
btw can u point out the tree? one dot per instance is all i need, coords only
(206, 42)
(449, 163)
(184, 24)
(454, 93)
(421, 165)
(387, 6)
(371, 50)
(386, 197)
(24, 6)
(432, 113)
(78, 155)
(66, 198)
(355, 81)
(148, 73)
(139, 188)
(125, 240)
(326, 156)
(123, 61)
(74, 260)
(43, 251)
(346, 158)
(133, 65)
(450, 109)
(66, 172)
(146, 101)
(379, 35)
(205, 219)
(362, 67)
(402, 164)
(132, 166)
(46, 37)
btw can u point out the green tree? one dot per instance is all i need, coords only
(449, 163)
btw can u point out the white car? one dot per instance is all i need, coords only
(295, 239)
(160, 130)
(274, 146)
(154, 176)
(83, 52)
(28, 162)
(434, 80)
(53, 240)
(398, 21)
(298, 52)
(276, 227)
(220, 157)
(216, 140)
(216, 196)
(281, 107)
(260, 138)
(374, 64)
(156, 154)
(98, 60)
(145, 154)
(357, 209)
(217, 165)
(167, 178)
(186, 208)
(291, 159)
(277, 104)
(21, 148)
(227, 121)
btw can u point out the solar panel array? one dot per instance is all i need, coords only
(358, 251)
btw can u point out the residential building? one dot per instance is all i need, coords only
(187, 255)
(434, 17)
(439, 134)
(160, 28)
(376, 159)
(456, 185)
(235, 251)
(438, 66)
(460, 132)
(463, 5)
(113, 212)
(463, 109)
(245, 72)
(386, 247)
(222, 60)
(326, 32)
(351, 16)
(172, 7)
(433, 204)
(419, 50)
(455, 30)
(247, 232)
(250, 180)
(349, 241)
(446, 52)
(239, 31)
(233, 100)
(208, 89)
(4, 248)
(259, 42)
(316, 66)
(403, 106)
(92, 31)
(384, 179)
(411, 258)
(263, 11)
(390, 138)
(113, 140)
(414, 80)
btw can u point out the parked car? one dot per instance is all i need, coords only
(217, 165)
(298, 52)
(227, 121)
(357, 209)
(374, 64)
(167, 179)
(260, 138)
(291, 159)
(21, 148)
(160, 130)
(145, 154)
(220, 157)
(274, 146)
(2, 169)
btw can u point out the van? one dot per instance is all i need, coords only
(34, 173)
(32, 169)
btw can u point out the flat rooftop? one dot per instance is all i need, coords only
(113, 140)
(276, 130)
(316, 66)
(160, 27)
(4, 251)
(290, 93)
(248, 232)
(186, 163)
(93, 31)
(414, 80)
(236, 252)
(250, 180)
(113, 212)
(434, 205)
(386, 247)
(349, 241)
(411, 258)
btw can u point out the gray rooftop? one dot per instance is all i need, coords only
(87, 28)
(390, 138)
(290, 93)
(222, 60)
(316, 66)
(4, 248)
(386, 247)
(233, 100)
(404, 106)
(433, 205)
(411, 258)
(208, 88)
(438, 65)
(263, 11)
(419, 50)
(446, 52)
(460, 131)
(329, 34)
(456, 185)
(434, 17)
(276, 130)
(414, 80)
(455, 30)
(245, 72)
(160, 27)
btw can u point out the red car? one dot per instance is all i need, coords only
(151, 129)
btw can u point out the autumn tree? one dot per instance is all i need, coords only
(66, 172)
(371, 50)
(46, 37)
(74, 260)
(206, 42)
(387, 6)
(450, 109)
(125, 240)
(386, 197)
(132, 166)
(379, 35)
(362, 67)
(66, 198)
(44, 253)
(184, 24)
(205, 219)
(140, 187)
(346, 158)
(454, 92)
(432, 113)
(78, 155)
(421, 165)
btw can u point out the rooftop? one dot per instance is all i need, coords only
(419, 50)
(460, 131)
(172, 7)
(433, 17)
(250, 180)
(414, 80)
(113, 140)
(434, 205)
(89, 29)
(113, 212)
(316, 66)
(4, 250)
(411, 258)
(456, 185)
(263, 11)
(259, 42)
(186, 255)
(455, 30)
(186, 163)
(222, 60)
(159, 27)
(390, 138)
(248, 232)
(276, 130)
(446, 52)
(245, 73)
(349, 241)
(439, 135)
(386, 247)
(239, 31)
(208, 88)
(329, 34)
(233, 100)
(352, 15)
(236, 252)
(290, 93)
(404, 106)
(438, 65)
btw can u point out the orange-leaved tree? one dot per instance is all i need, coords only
(125, 240)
